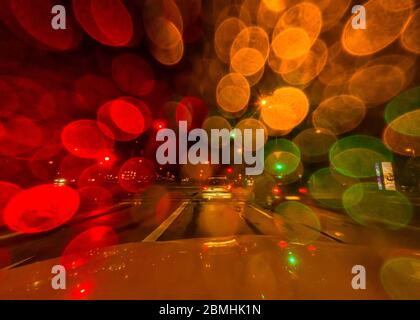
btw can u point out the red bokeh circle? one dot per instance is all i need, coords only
(107, 21)
(133, 74)
(136, 174)
(20, 135)
(127, 118)
(41, 208)
(7, 191)
(87, 139)
(76, 254)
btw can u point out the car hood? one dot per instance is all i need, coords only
(240, 267)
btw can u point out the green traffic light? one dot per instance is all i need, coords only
(292, 259)
(279, 166)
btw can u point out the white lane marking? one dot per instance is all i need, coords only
(9, 236)
(17, 263)
(165, 224)
(265, 214)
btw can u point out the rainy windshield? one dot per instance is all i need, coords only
(117, 120)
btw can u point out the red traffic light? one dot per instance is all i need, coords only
(159, 124)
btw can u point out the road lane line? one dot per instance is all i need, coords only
(265, 214)
(10, 236)
(155, 235)
(16, 264)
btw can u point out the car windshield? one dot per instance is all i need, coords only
(246, 149)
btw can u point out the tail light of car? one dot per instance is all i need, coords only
(303, 190)
(276, 190)
(228, 187)
(204, 188)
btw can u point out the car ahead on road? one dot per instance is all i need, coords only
(216, 188)
(237, 267)
(281, 192)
